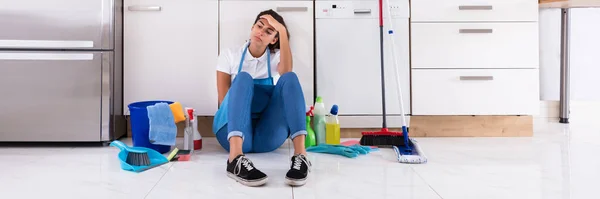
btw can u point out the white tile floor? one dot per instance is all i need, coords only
(558, 162)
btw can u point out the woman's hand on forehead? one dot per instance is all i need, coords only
(272, 22)
(266, 24)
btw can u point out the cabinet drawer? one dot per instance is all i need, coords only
(475, 45)
(475, 91)
(474, 10)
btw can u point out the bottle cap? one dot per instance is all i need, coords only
(319, 99)
(334, 109)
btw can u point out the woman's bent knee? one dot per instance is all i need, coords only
(243, 76)
(289, 76)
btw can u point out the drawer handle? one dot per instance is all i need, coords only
(475, 7)
(144, 8)
(476, 77)
(292, 9)
(362, 11)
(476, 31)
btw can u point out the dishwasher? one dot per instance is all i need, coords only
(348, 62)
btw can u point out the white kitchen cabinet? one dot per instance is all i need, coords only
(237, 18)
(349, 61)
(170, 52)
(475, 57)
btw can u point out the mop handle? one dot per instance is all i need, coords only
(398, 84)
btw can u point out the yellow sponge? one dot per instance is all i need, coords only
(177, 110)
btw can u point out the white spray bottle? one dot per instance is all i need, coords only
(196, 138)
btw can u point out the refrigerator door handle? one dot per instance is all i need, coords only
(39, 56)
(45, 44)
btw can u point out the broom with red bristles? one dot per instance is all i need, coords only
(407, 150)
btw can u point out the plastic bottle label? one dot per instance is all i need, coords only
(320, 129)
(333, 133)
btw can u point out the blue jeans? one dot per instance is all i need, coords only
(264, 115)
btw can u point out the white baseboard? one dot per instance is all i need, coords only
(585, 111)
(580, 110)
(549, 109)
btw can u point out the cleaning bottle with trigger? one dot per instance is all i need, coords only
(333, 127)
(311, 140)
(319, 120)
(188, 136)
(196, 134)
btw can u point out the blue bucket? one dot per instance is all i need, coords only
(140, 126)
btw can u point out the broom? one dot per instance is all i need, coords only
(407, 149)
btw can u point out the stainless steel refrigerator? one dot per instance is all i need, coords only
(61, 71)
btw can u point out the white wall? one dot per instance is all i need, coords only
(585, 54)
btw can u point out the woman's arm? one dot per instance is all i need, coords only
(285, 54)
(285, 63)
(223, 84)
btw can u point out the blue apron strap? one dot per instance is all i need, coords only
(269, 61)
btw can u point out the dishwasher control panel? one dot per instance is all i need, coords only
(360, 9)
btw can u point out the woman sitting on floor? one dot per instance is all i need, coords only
(255, 114)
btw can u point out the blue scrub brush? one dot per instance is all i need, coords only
(138, 159)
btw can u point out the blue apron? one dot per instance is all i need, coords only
(220, 119)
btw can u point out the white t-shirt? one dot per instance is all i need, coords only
(229, 61)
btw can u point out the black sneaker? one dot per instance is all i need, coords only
(242, 170)
(298, 172)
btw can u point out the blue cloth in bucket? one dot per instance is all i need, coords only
(140, 125)
(163, 130)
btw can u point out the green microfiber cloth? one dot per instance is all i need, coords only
(348, 151)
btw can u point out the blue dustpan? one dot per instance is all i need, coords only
(156, 159)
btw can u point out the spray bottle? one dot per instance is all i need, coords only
(196, 134)
(188, 133)
(333, 127)
(311, 140)
(319, 121)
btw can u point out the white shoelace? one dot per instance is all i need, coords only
(298, 163)
(243, 161)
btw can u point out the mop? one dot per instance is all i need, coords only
(407, 149)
